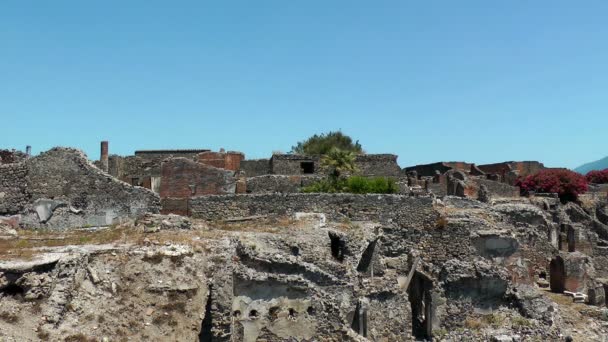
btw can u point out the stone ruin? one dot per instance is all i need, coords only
(420, 265)
(60, 189)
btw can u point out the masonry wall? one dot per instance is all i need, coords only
(14, 194)
(279, 183)
(12, 156)
(401, 209)
(428, 170)
(496, 189)
(80, 194)
(256, 167)
(223, 160)
(367, 164)
(164, 154)
(184, 178)
(290, 164)
(378, 165)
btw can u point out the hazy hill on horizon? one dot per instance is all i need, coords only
(596, 165)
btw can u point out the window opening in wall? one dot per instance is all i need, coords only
(307, 167)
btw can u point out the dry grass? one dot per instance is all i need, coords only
(30, 242)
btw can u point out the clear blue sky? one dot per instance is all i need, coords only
(479, 81)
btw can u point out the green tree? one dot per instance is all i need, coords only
(320, 144)
(337, 162)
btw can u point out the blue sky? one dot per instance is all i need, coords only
(479, 81)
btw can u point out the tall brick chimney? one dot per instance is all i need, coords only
(28, 151)
(104, 156)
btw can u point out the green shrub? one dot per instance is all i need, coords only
(355, 185)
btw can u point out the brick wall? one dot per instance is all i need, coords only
(228, 160)
(184, 178)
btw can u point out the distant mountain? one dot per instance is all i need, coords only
(596, 165)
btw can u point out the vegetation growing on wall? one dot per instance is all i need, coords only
(355, 185)
(320, 144)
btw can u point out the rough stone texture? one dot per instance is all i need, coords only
(454, 270)
(496, 189)
(483, 195)
(256, 167)
(380, 165)
(430, 170)
(278, 183)
(571, 272)
(223, 160)
(11, 156)
(367, 164)
(383, 208)
(184, 178)
(14, 193)
(291, 164)
(83, 194)
(164, 154)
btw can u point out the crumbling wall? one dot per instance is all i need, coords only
(14, 194)
(256, 167)
(68, 191)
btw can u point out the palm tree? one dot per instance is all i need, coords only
(337, 162)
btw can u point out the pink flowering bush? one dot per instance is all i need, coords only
(567, 184)
(597, 177)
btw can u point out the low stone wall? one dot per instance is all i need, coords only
(68, 191)
(403, 210)
(13, 188)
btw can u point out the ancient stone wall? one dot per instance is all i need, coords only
(256, 167)
(184, 178)
(367, 164)
(383, 208)
(429, 170)
(164, 154)
(13, 188)
(523, 168)
(292, 164)
(68, 191)
(496, 189)
(378, 165)
(12, 156)
(223, 160)
(279, 183)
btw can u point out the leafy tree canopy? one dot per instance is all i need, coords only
(320, 144)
